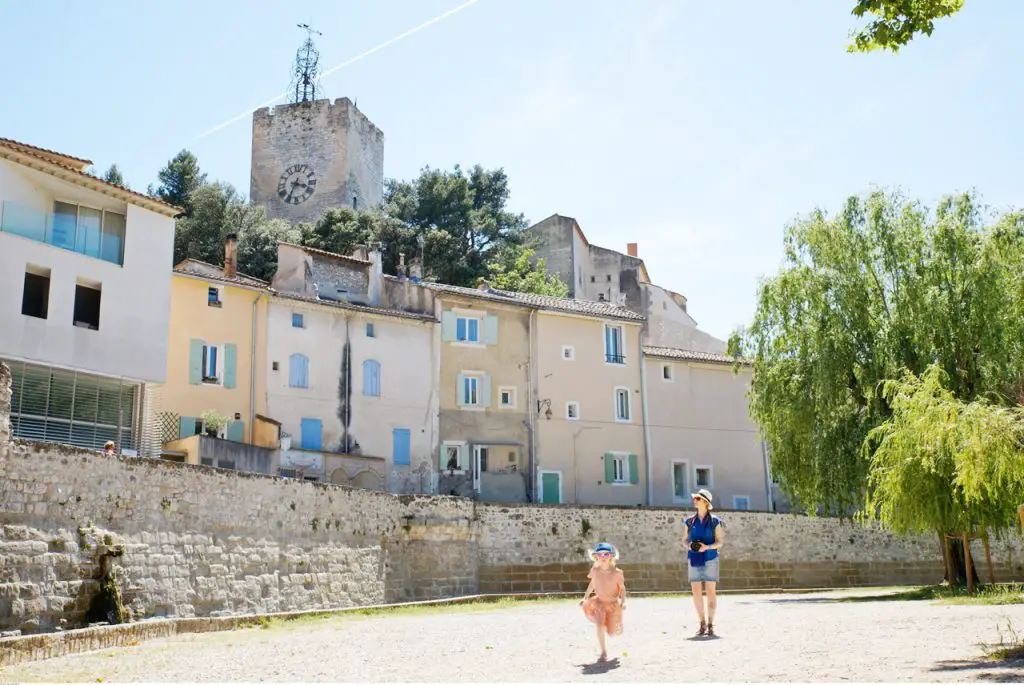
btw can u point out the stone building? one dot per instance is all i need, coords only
(308, 157)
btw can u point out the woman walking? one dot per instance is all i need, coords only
(704, 538)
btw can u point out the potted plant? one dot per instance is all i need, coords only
(213, 422)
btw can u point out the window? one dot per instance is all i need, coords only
(369, 330)
(35, 298)
(572, 411)
(608, 278)
(355, 204)
(92, 232)
(741, 502)
(225, 464)
(622, 404)
(481, 453)
(593, 279)
(298, 371)
(680, 493)
(470, 390)
(87, 306)
(620, 469)
(467, 329)
(213, 296)
(451, 457)
(274, 366)
(568, 353)
(371, 378)
(666, 372)
(507, 397)
(613, 345)
(212, 364)
(703, 477)
(298, 320)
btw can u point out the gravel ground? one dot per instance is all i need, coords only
(805, 638)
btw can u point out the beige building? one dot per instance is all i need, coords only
(701, 434)
(590, 429)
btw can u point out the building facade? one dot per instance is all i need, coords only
(84, 325)
(701, 433)
(311, 156)
(352, 383)
(590, 427)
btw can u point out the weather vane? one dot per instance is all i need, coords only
(307, 68)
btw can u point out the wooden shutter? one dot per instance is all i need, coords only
(634, 471)
(195, 362)
(230, 359)
(490, 330)
(236, 431)
(448, 326)
(186, 426)
(609, 467)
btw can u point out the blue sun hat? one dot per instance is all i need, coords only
(604, 547)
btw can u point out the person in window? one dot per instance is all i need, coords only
(704, 539)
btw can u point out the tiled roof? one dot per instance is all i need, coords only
(692, 355)
(194, 267)
(380, 311)
(325, 253)
(561, 304)
(54, 159)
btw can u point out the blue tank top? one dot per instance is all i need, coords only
(702, 531)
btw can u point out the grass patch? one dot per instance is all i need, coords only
(1010, 646)
(1010, 593)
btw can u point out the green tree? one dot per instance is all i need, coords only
(883, 288)
(179, 181)
(897, 22)
(462, 217)
(258, 237)
(113, 175)
(200, 234)
(517, 269)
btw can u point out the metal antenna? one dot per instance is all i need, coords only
(307, 68)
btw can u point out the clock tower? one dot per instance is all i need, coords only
(313, 154)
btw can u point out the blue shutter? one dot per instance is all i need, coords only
(460, 329)
(473, 330)
(448, 326)
(484, 391)
(371, 378)
(230, 359)
(186, 426)
(195, 362)
(491, 330)
(460, 391)
(298, 371)
(236, 431)
(312, 434)
(402, 439)
(634, 472)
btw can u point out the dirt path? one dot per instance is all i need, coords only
(813, 637)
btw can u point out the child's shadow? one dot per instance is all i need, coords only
(599, 667)
(703, 638)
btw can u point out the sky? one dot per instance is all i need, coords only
(696, 129)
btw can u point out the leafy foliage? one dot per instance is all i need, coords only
(114, 175)
(939, 463)
(517, 269)
(897, 22)
(883, 288)
(179, 180)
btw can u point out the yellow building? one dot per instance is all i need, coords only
(215, 357)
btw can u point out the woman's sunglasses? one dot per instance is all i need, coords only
(602, 555)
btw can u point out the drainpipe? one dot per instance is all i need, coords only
(647, 426)
(530, 405)
(252, 375)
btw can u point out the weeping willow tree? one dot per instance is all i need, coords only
(942, 464)
(883, 288)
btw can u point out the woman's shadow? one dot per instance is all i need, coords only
(599, 667)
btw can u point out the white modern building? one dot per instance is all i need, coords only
(85, 269)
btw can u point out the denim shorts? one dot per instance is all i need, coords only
(707, 573)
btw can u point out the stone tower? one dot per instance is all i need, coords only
(310, 156)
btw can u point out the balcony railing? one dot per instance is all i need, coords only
(92, 232)
(612, 358)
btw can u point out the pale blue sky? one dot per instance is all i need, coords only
(694, 128)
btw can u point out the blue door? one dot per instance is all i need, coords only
(402, 439)
(312, 435)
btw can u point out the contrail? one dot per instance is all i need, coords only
(344, 64)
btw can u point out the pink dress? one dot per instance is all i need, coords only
(603, 606)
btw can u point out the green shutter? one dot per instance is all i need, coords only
(490, 330)
(485, 390)
(236, 431)
(230, 358)
(448, 326)
(460, 388)
(634, 472)
(609, 467)
(186, 426)
(195, 362)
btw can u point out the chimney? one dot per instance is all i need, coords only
(376, 274)
(631, 249)
(231, 256)
(401, 266)
(415, 270)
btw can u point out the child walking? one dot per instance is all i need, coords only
(605, 597)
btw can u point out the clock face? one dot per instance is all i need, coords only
(297, 184)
